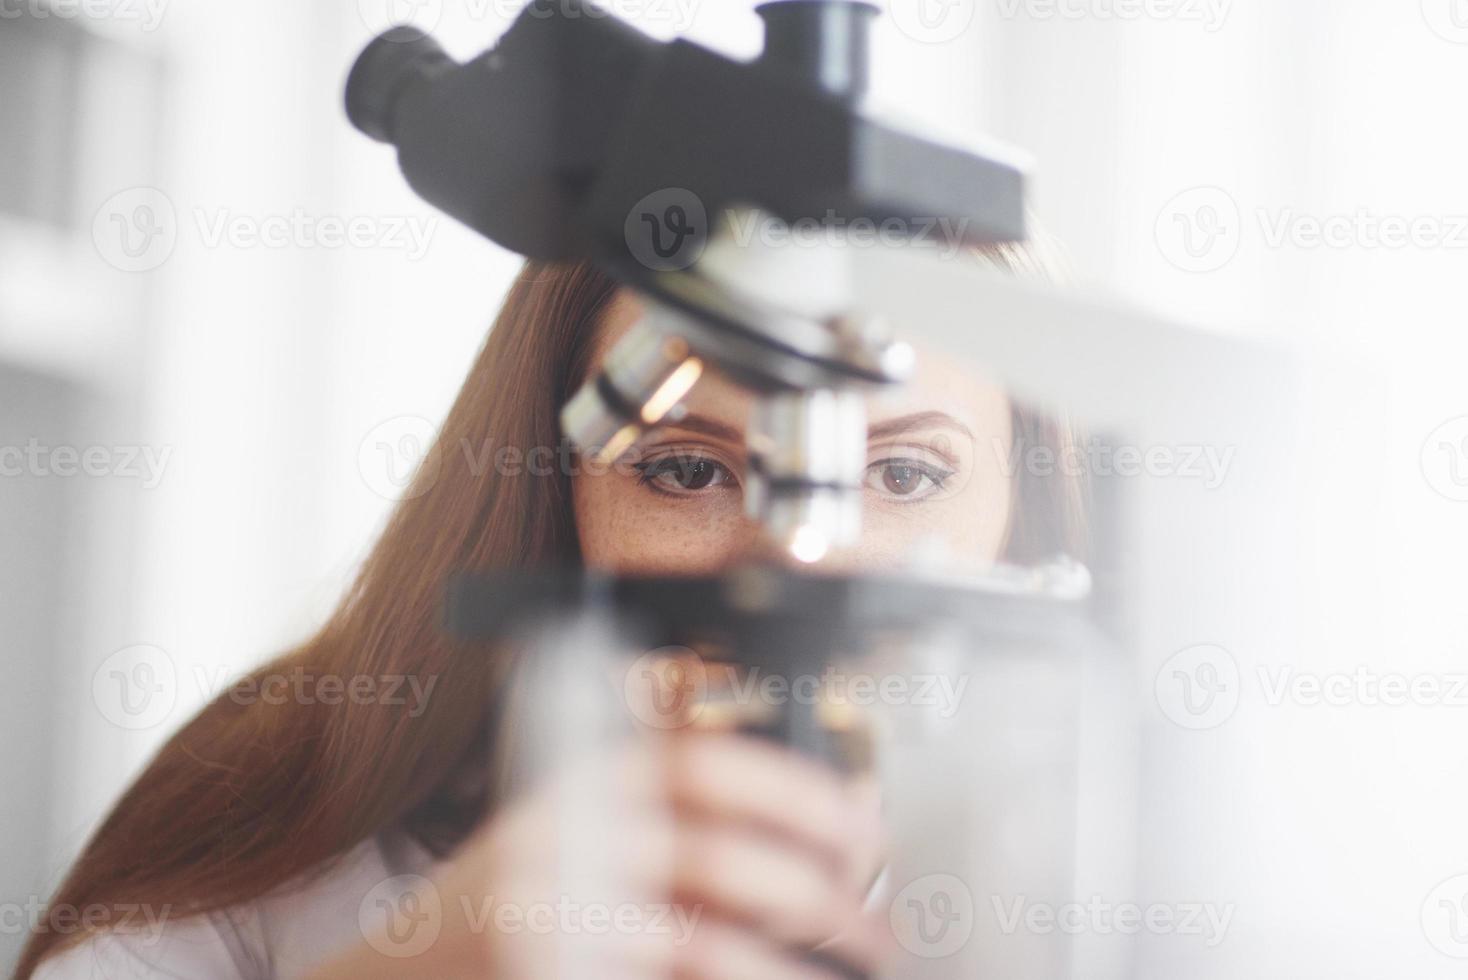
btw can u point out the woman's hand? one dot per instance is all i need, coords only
(687, 855)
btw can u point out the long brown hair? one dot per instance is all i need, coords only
(250, 795)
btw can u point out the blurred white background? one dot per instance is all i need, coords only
(1235, 163)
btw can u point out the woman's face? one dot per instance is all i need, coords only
(935, 477)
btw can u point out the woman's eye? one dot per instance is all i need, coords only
(684, 474)
(907, 479)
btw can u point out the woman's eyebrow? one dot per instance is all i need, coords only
(916, 421)
(704, 425)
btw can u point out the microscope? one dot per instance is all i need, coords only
(578, 138)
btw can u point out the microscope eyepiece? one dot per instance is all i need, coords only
(384, 71)
(825, 42)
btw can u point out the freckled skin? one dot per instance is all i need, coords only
(627, 524)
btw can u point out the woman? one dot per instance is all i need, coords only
(308, 839)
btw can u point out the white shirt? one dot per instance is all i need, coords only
(282, 936)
